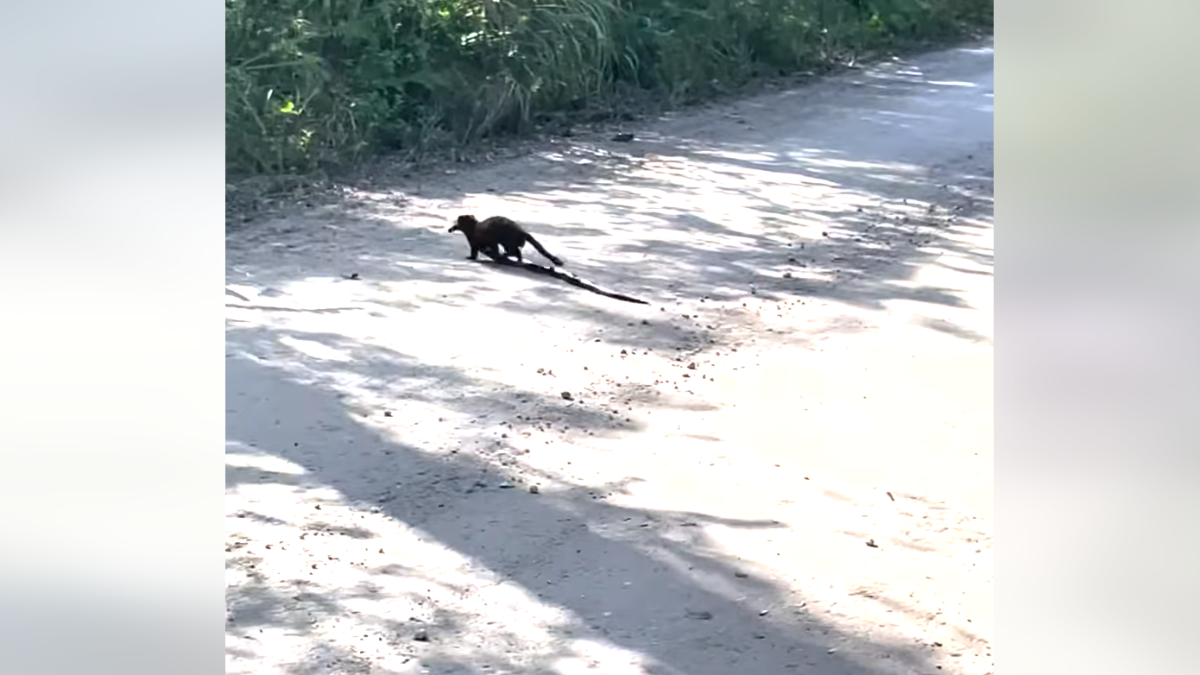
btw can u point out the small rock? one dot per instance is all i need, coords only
(387, 413)
(567, 396)
(623, 137)
(741, 575)
(872, 544)
(533, 489)
(699, 615)
(421, 635)
(506, 485)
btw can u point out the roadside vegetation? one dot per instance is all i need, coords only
(312, 86)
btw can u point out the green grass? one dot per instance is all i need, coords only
(314, 85)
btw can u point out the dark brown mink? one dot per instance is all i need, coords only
(491, 234)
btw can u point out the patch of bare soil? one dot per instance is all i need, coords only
(782, 464)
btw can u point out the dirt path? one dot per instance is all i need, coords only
(783, 464)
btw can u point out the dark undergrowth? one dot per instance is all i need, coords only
(314, 87)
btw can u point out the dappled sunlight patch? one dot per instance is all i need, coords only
(314, 350)
(591, 655)
(347, 582)
(238, 454)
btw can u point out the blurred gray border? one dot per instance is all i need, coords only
(1098, 450)
(112, 241)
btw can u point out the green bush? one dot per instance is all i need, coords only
(313, 84)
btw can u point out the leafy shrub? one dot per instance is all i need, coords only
(313, 84)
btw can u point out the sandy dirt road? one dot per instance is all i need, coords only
(783, 464)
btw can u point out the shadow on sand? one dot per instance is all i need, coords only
(796, 218)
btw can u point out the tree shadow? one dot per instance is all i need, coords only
(641, 580)
(776, 212)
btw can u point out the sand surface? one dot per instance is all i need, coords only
(783, 464)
